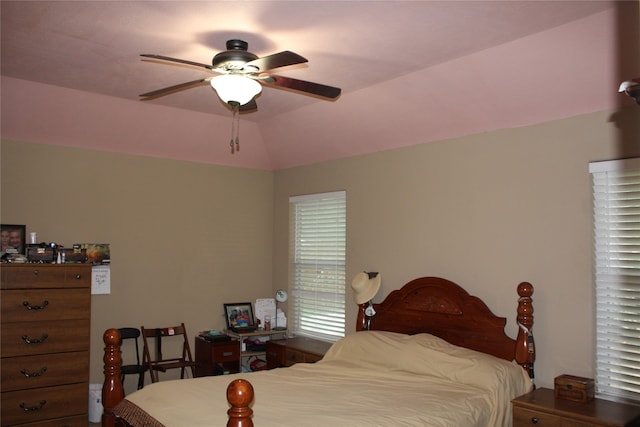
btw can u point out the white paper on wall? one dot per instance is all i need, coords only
(101, 279)
(264, 307)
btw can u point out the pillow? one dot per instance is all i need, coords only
(425, 354)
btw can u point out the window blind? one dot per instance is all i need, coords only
(616, 212)
(318, 264)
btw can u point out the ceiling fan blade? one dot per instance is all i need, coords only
(302, 86)
(281, 59)
(181, 61)
(249, 106)
(175, 88)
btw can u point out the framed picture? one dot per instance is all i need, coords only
(239, 315)
(13, 238)
(97, 253)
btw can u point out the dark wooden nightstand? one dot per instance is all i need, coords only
(541, 408)
(281, 353)
(216, 357)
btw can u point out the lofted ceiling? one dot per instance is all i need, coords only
(427, 70)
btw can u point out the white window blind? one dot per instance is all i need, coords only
(317, 261)
(616, 203)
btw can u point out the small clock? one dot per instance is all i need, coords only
(281, 295)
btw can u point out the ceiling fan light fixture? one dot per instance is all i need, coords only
(234, 88)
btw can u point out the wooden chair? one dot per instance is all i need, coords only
(157, 337)
(136, 368)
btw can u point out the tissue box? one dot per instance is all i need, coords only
(578, 389)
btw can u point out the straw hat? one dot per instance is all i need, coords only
(365, 286)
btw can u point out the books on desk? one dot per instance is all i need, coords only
(214, 336)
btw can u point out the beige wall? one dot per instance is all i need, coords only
(185, 237)
(486, 211)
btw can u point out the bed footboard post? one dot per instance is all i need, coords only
(525, 347)
(112, 391)
(240, 396)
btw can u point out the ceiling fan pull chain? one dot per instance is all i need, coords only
(234, 127)
(237, 120)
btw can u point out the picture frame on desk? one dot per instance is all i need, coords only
(13, 238)
(239, 315)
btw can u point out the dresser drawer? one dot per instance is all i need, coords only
(74, 421)
(24, 372)
(524, 417)
(293, 356)
(312, 358)
(227, 352)
(287, 352)
(275, 355)
(26, 305)
(46, 276)
(44, 404)
(30, 338)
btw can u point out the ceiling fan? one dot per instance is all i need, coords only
(241, 74)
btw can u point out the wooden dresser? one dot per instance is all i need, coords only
(541, 408)
(45, 344)
(282, 353)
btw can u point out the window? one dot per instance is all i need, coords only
(616, 204)
(317, 262)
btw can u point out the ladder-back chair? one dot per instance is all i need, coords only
(132, 368)
(157, 338)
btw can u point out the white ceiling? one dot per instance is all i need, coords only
(359, 46)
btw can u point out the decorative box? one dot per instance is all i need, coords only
(37, 253)
(74, 255)
(578, 389)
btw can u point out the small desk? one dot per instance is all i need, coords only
(216, 357)
(287, 352)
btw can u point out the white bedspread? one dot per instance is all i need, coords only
(366, 379)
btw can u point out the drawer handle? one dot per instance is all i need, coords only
(227, 353)
(35, 307)
(534, 420)
(33, 374)
(33, 408)
(36, 272)
(78, 276)
(40, 340)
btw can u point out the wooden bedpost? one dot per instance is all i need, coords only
(361, 323)
(240, 396)
(525, 347)
(112, 391)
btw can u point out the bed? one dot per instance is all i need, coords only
(432, 355)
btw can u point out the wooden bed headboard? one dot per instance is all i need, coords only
(440, 307)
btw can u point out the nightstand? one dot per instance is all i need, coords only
(541, 408)
(282, 353)
(216, 357)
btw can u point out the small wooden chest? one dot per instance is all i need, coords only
(571, 387)
(36, 253)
